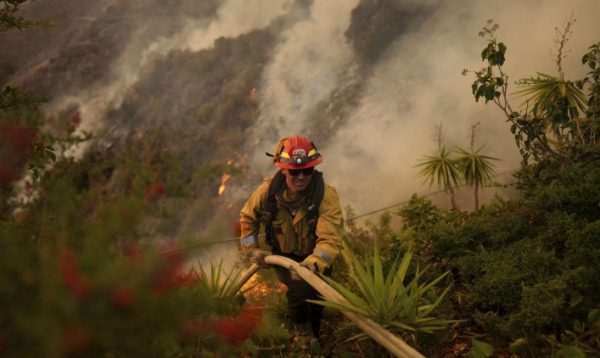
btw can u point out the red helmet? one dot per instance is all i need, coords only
(296, 152)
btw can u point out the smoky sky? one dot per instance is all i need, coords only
(414, 86)
(417, 85)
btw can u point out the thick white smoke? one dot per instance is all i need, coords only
(418, 85)
(304, 71)
(234, 18)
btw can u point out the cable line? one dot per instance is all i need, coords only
(426, 195)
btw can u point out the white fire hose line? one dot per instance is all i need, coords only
(388, 340)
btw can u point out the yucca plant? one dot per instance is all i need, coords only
(554, 96)
(443, 168)
(398, 307)
(476, 169)
(213, 287)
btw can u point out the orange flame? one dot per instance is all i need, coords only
(224, 180)
(258, 291)
(230, 161)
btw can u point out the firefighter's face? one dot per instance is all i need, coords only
(296, 183)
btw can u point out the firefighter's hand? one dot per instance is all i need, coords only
(309, 265)
(258, 257)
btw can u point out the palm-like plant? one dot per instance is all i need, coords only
(554, 98)
(476, 169)
(397, 307)
(213, 286)
(442, 168)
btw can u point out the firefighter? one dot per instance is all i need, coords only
(303, 221)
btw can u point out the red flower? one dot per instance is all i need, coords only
(71, 276)
(76, 338)
(132, 250)
(75, 119)
(19, 135)
(185, 280)
(231, 331)
(28, 188)
(235, 331)
(123, 296)
(15, 140)
(154, 190)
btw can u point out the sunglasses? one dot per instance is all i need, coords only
(306, 172)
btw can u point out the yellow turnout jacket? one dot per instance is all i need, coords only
(293, 233)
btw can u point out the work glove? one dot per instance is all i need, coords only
(258, 257)
(309, 265)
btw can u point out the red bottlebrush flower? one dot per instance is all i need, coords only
(194, 196)
(174, 256)
(154, 190)
(186, 280)
(19, 135)
(123, 296)
(75, 119)
(231, 331)
(71, 276)
(235, 331)
(162, 285)
(76, 338)
(28, 188)
(15, 140)
(132, 250)
(165, 281)
(236, 229)
(6, 175)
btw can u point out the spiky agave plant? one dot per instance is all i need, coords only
(214, 287)
(398, 307)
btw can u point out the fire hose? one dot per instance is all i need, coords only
(388, 340)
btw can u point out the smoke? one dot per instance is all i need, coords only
(233, 18)
(304, 71)
(418, 85)
(415, 86)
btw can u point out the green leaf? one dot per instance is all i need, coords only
(518, 346)
(484, 53)
(571, 352)
(340, 306)
(502, 48)
(594, 318)
(50, 155)
(354, 300)
(402, 326)
(483, 348)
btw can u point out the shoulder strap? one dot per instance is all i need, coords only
(314, 201)
(270, 205)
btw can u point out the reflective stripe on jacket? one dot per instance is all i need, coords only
(293, 234)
